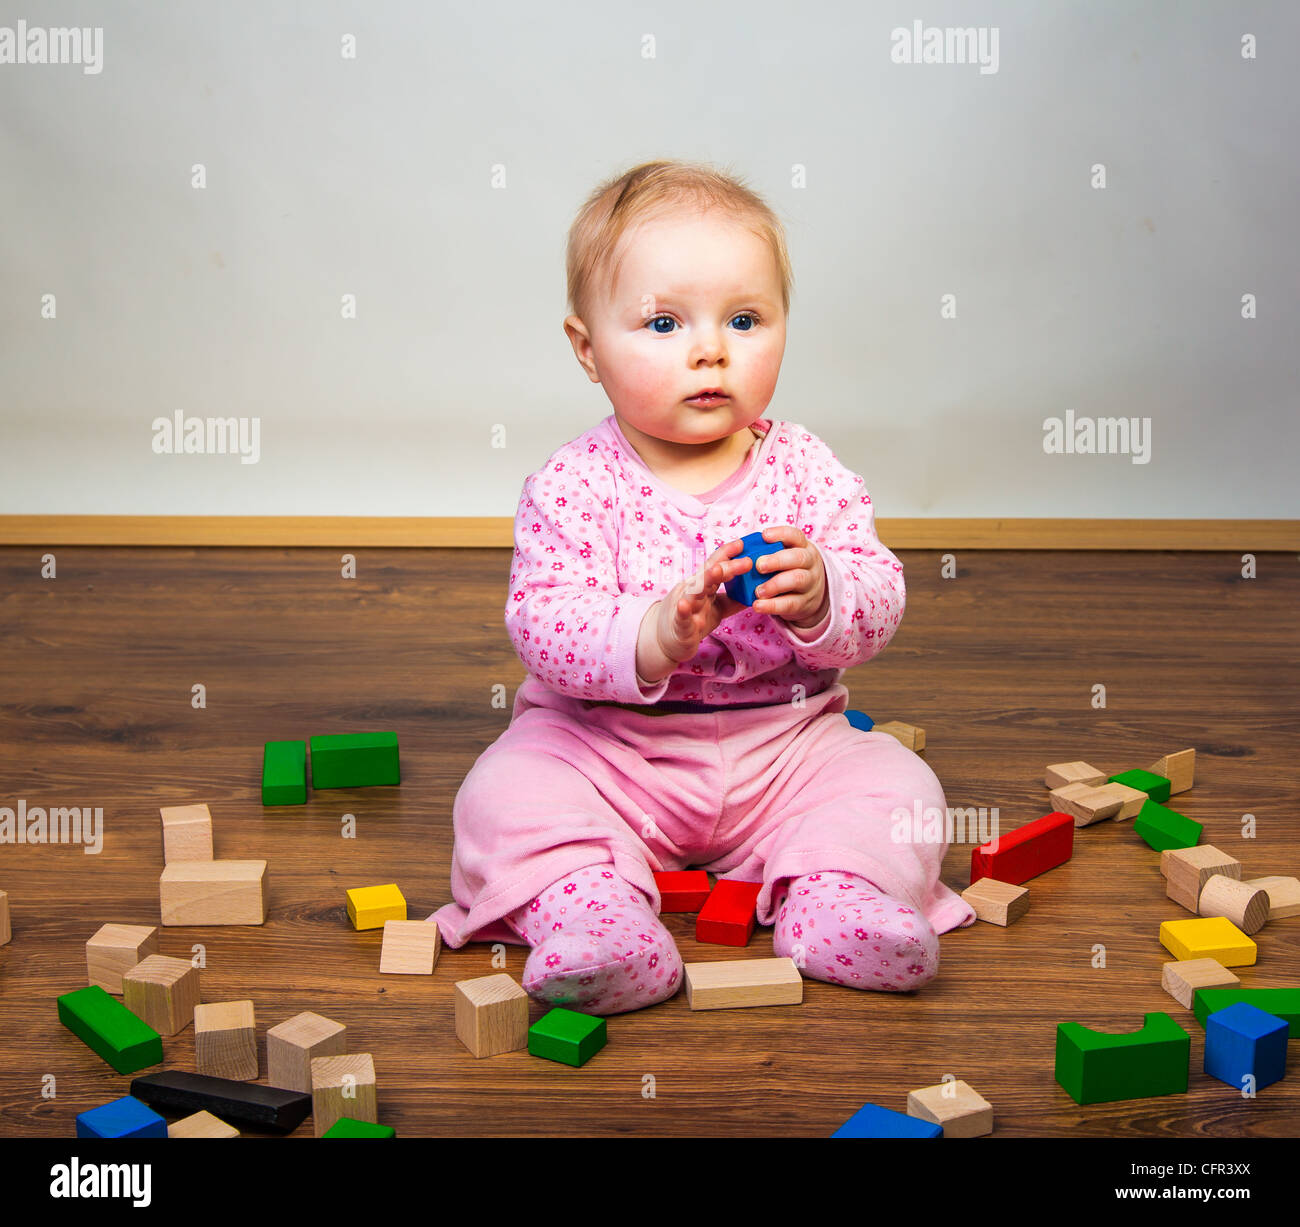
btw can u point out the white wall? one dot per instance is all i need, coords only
(328, 176)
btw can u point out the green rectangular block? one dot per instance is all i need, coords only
(1164, 828)
(346, 1127)
(354, 760)
(1283, 1003)
(1096, 1067)
(284, 773)
(1155, 786)
(565, 1035)
(110, 1030)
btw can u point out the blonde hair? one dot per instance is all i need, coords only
(655, 190)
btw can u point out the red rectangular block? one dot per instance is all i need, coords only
(728, 917)
(683, 891)
(1026, 852)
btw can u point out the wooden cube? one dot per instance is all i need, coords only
(291, 1045)
(1179, 769)
(962, 1111)
(213, 893)
(410, 948)
(1283, 895)
(187, 833)
(999, 903)
(491, 1015)
(371, 907)
(1186, 870)
(908, 734)
(1245, 905)
(343, 1086)
(1182, 980)
(115, 949)
(6, 933)
(225, 1040)
(738, 983)
(201, 1125)
(162, 992)
(1060, 774)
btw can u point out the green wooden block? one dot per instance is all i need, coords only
(354, 760)
(110, 1030)
(1283, 1003)
(1163, 828)
(565, 1035)
(346, 1127)
(1155, 786)
(284, 773)
(1095, 1067)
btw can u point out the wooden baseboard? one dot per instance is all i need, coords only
(489, 532)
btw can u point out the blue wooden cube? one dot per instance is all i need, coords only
(740, 588)
(870, 1121)
(1242, 1039)
(123, 1118)
(860, 720)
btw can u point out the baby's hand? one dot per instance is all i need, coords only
(797, 591)
(695, 607)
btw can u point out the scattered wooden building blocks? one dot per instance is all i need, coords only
(491, 1015)
(1179, 769)
(1155, 786)
(354, 760)
(859, 720)
(742, 982)
(1133, 800)
(1284, 1003)
(6, 930)
(163, 991)
(870, 1121)
(225, 1040)
(1182, 980)
(567, 1036)
(346, 1127)
(1163, 828)
(1026, 852)
(1058, 775)
(284, 773)
(410, 948)
(1213, 937)
(292, 1044)
(1245, 905)
(343, 1086)
(1243, 1041)
(213, 893)
(682, 891)
(187, 833)
(998, 903)
(201, 1125)
(371, 907)
(1283, 895)
(115, 949)
(1096, 1067)
(910, 736)
(728, 915)
(1086, 804)
(110, 1030)
(960, 1110)
(1186, 870)
(262, 1109)
(123, 1118)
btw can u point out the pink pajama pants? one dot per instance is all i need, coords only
(760, 794)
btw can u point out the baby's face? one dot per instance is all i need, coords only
(696, 305)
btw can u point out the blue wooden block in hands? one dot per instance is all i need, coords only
(860, 720)
(870, 1121)
(123, 1118)
(1242, 1039)
(740, 588)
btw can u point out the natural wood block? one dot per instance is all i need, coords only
(213, 893)
(291, 1046)
(201, 1125)
(1134, 800)
(410, 948)
(225, 1040)
(6, 932)
(1086, 804)
(962, 1111)
(187, 833)
(1060, 774)
(1213, 937)
(1283, 895)
(1182, 979)
(162, 992)
(1179, 769)
(1245, 905)
(491, 1015)
(739, 983)
(371, 907)
(115, 949)
(911, 736)
(999, 903)
(343, 1086)
(1186, 870)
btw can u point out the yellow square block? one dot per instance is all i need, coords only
(1214, 937)
(369, 907)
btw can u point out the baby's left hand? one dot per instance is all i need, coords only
(798, 594)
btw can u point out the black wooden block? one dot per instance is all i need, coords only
(264, 1109)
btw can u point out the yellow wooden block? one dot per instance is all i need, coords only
(370, 906)
(1214, 937)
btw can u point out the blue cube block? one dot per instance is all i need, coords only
(860, 720)
(1242, 1039)
(870, 1121)
(740, 588)
(123, 1118)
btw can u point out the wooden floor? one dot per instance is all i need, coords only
(998, 665)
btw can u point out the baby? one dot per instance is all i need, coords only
(663, 725)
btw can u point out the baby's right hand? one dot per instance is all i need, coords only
(695, 607)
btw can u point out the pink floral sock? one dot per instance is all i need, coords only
(597, 947)
(840, 928)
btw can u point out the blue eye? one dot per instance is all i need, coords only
(660, 319)
(668, 319)
(747, 316)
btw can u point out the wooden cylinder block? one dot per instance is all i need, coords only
(1245, 905)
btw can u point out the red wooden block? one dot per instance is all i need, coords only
(683, 891)
(1028, 851)
(728, 917)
